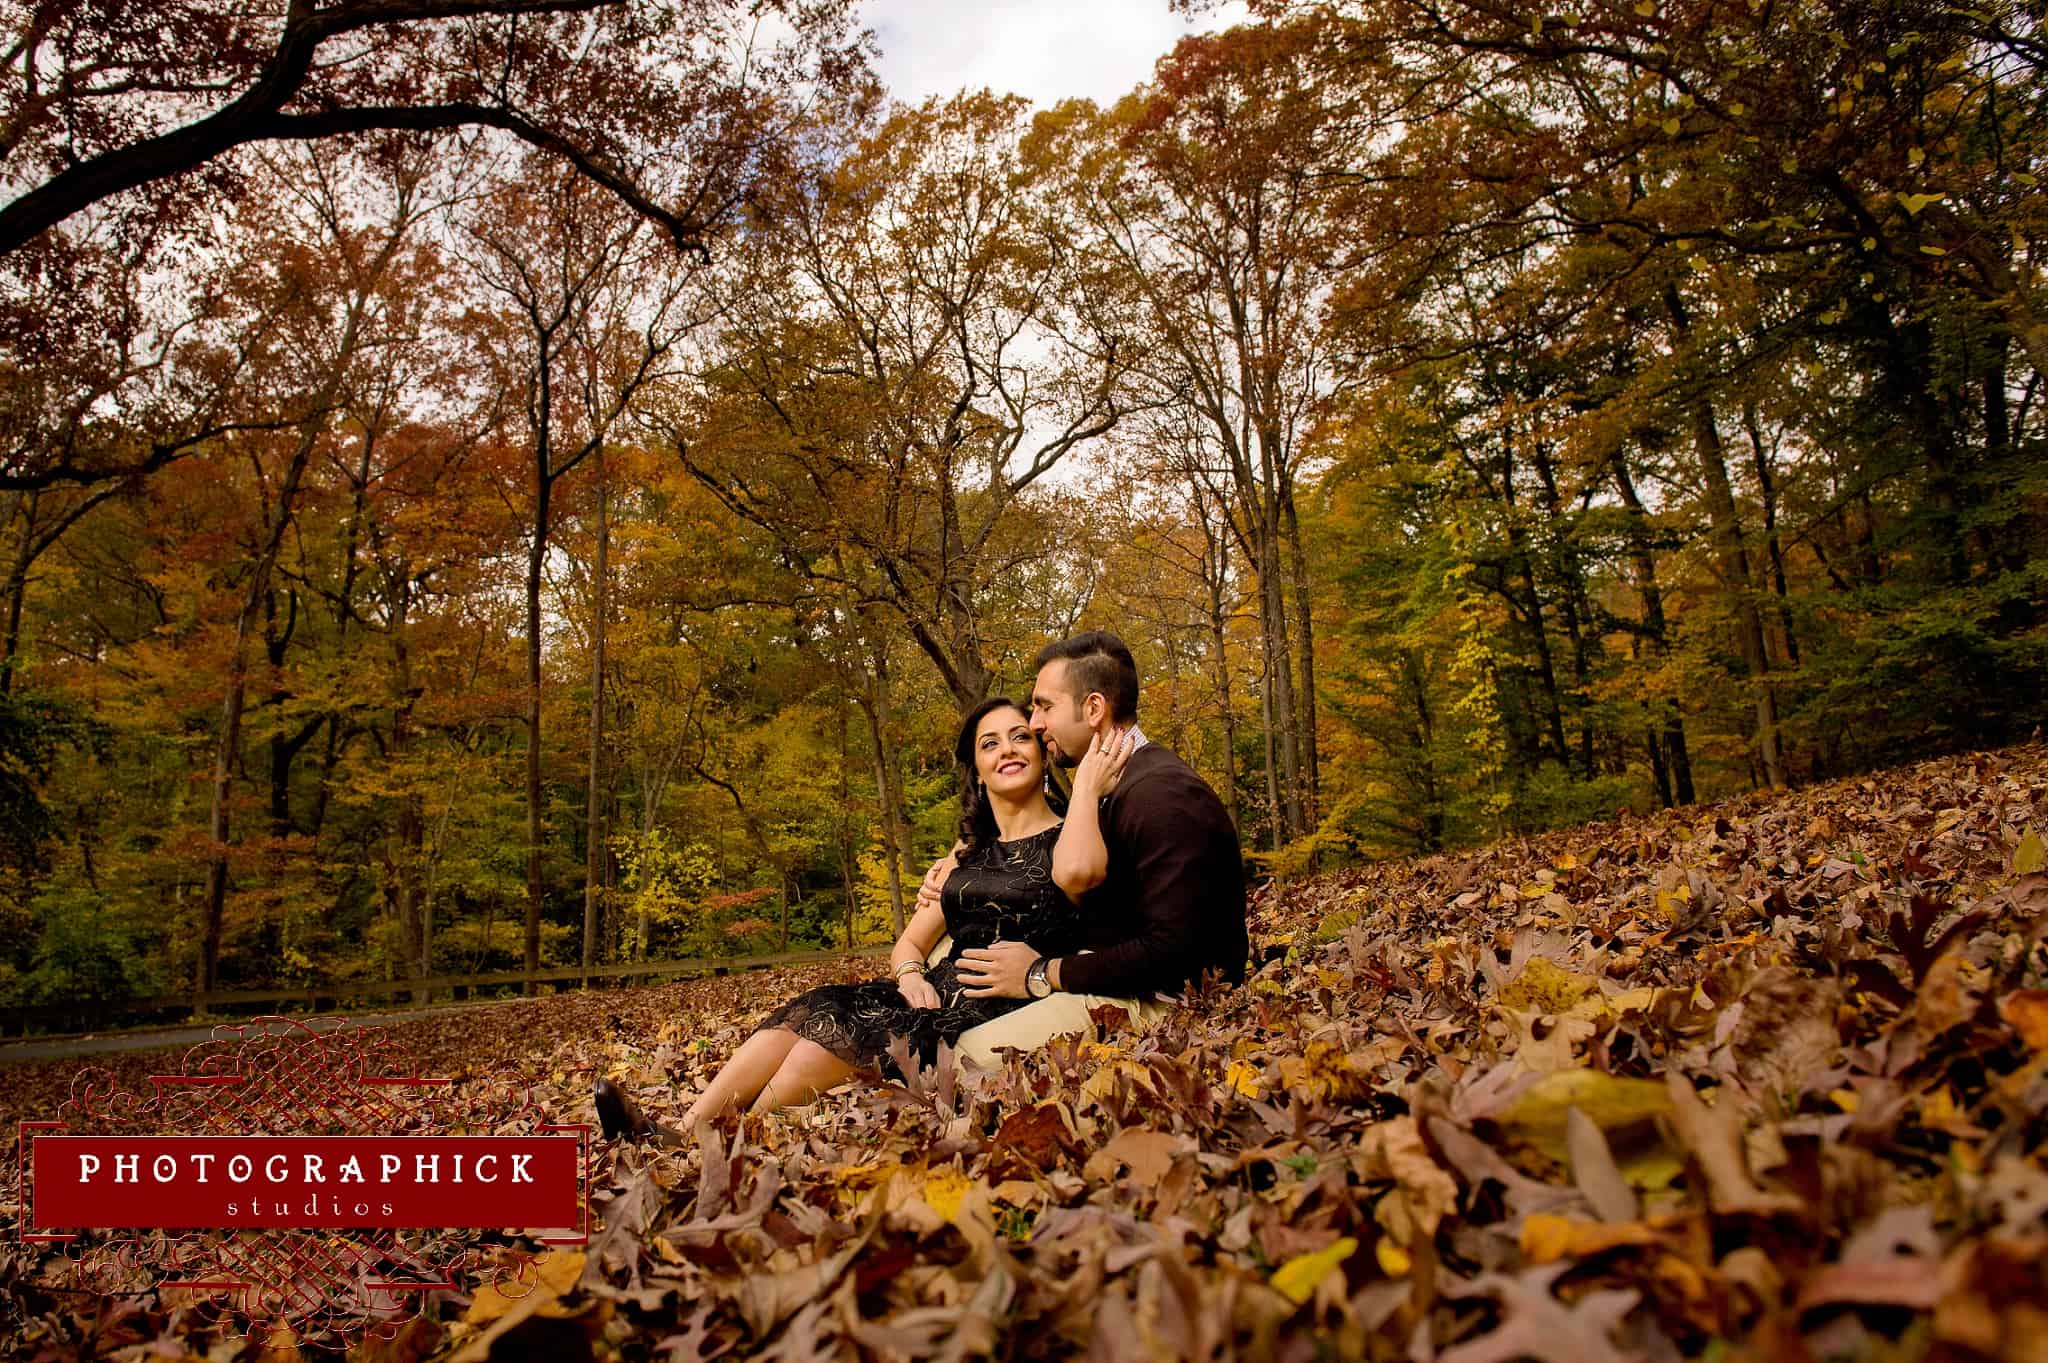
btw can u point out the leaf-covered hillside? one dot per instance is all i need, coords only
(1765, 1079)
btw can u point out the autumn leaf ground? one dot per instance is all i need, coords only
(1764, 1079)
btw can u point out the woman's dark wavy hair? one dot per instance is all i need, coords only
(977, 820)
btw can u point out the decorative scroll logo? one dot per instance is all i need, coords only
(304, 1177)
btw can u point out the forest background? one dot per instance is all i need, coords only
(498, 483)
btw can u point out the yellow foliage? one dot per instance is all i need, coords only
(1297, 1278)
(1244, 1078)
(2029, 856)
(1546, 987)
(2027, 1011)
(943, 1189)
(1547, 1238)
(1539, 1115)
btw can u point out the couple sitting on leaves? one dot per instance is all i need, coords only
(1138, 893)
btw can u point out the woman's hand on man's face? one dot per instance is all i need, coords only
(1102, 766)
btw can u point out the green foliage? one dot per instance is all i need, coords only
(33, 730)
(89, 948)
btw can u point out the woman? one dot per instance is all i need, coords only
(1008, 885)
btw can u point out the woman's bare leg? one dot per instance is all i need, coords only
(806, 1072)
(743, 1076)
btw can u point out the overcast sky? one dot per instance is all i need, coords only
(1047, 50)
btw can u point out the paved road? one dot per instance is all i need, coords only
(159, 1039)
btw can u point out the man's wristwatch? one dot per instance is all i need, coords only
(1035, 982)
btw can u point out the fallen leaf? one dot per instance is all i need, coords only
(538, 1284)
(1713, 1136)
(2027, 1012)
(1149, 1154)
(2030, 856)
(1546, 1239)
(1297, 1278)
(1594, 1170)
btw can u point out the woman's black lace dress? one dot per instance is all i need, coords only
(1003, 890)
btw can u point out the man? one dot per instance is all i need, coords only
(1172, 907)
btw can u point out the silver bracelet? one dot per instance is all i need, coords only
(907, 967)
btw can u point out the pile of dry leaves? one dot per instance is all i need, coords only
(1767, 1079)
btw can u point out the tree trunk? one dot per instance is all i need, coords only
(1430, 835)
(1305, 645)
(1725, 525)
(1218, 618)
(1767, 490)
(594, 850)
(1572, 605)
(415, 898)
(543, 488)
(1671, 747)
(845, 822)
(1279, 687)
(893, 832)
(17, 587)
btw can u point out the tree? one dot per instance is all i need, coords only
(907, 351)
(1209, 193)
(105, 98)
(590, 319)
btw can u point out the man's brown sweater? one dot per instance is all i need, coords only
(1172, 906)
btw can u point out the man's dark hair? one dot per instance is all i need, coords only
(1098, 661)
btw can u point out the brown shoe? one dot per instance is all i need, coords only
(619, 1117)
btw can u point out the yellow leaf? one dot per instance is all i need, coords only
(1914, 204)
(1633, 1001)
(1671, 126)
(943, 1189)
(1297, 1278)
(1323, 1071)
(1933, 251)
(1547, 1238)
(1546, 987)
(550, 1276)
(1101, 1084)
(1847, 1099)
(1539, 1116)
(1394, 1261)
(2027, 1012)
(860, 1175)
(1242, 1077)
(1646, 8)
(1914, 156)
(2029, 856)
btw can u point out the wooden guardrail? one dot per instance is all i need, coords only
(96, 1013)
